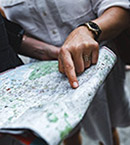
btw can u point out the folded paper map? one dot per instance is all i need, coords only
(37, 97)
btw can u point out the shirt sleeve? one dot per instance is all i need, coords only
(99, 6)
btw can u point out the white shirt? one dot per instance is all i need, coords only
(52, 21)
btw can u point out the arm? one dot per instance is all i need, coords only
(37, 49)
(81, 42)
(29, 46)
(113, 22)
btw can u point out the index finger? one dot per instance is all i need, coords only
(69, 69)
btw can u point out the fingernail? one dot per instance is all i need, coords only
(75, 84)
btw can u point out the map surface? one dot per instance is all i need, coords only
(37, 97)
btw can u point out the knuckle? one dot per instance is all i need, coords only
(63, 50)
(79, 48)
(77, 51)
(73, 49)
(68, 67)
(96, 45)
(91, 44)
(85, 44)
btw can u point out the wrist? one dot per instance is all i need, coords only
(89, 33)
(93, 28)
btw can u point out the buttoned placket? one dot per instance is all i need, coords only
(49, 22)
(51, 25)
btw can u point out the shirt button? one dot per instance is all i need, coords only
(54, 32)
(44, 13)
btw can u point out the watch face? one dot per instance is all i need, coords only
(94, 26)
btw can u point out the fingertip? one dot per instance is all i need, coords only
(75, 85)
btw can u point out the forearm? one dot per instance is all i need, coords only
(37, 49)
(112, 22)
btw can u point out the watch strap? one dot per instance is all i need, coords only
(94, 28)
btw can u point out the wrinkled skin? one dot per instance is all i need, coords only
(78, 44)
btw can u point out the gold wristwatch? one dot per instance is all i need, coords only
(94, 28)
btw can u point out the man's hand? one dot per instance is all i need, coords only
(79, 51)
